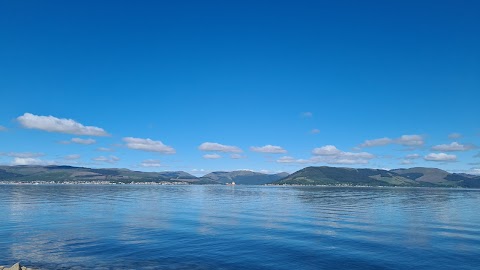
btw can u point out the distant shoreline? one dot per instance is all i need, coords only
(105, 183)
(46, 183)
(308, 176)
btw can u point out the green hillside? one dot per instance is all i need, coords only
(69, 173)
(243, 177)
(415, 177)
(345, 176)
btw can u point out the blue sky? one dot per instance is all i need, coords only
(206, 85)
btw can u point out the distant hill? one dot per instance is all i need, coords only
(346, 176)
(420, 174)
(414, 177)
(439, 177)
(70, 173)
(243, 177)
(331, 176)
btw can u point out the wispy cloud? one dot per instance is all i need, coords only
(216, 147)
(61, 125)
(289, 159)
(237, 156)
(212, 156)
(72, 157)
(407, 162)
(31, 161)
(2, 128)
(377, 142)
(307, 114)
(268, 149)
(474, 171)
(454, 136)
(411, 141)
(345, 158)
(330, 154)
(412, 156)
(452, 147)
(83, 141)
(79, 141)
(409, 159)
(440, 157)
(315, 131)
(109, 159)
(149, 163)
(105, 149)
(148, 145)
(22, 154)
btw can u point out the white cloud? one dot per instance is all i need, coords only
(148, 145)
(327, 150)
(237, 156)
(412, 156)
(288, 159)
(149, 163)
(315, 131)
(79, 141)
(110, 159)
(307, 114)
(2, 128)
(454, 135)
(362, 155)
(72, 157)
(331, 155)
(269, 149)
(31, 161)
(475, 171)
(412, 141)
(454, 146)
(377, 142)
(440, 157)
(61, 125)
(22, 154)
(409, 159)
(209, 146)
(344, 158)
(212, 156)
(105, 149)
(346, 161)
(83, 141)
(407, 162)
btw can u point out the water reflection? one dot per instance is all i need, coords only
(222, 227)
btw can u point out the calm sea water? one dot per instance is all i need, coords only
(241, 227)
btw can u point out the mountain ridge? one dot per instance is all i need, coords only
(322, 175)
(414, 177)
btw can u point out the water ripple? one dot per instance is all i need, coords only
(242, 227)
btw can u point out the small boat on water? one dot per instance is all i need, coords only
(230, 184)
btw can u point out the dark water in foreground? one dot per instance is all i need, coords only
(223, 227)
